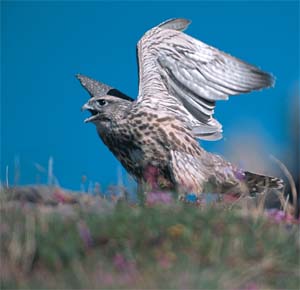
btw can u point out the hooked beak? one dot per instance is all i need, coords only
(90, 108)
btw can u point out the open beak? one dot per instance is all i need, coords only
(94, 113)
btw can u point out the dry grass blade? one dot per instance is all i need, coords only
(6, 176)
(261, 202)
(290, 179)
(286, 203)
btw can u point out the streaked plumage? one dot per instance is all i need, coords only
(155, 137)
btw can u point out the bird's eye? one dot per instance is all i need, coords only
(101, 102)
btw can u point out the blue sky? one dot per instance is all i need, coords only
(44, 44)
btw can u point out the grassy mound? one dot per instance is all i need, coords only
(60, 240)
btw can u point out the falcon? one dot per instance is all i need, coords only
(155, 137)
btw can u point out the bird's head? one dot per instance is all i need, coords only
(105, 108)
(106, 103)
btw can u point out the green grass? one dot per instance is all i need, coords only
(93, 243)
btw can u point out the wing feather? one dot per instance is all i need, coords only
(176, 68)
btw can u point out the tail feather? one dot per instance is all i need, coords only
(257, 183)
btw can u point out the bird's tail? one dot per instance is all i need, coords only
(257, 183)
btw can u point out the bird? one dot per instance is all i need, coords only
(156, 136)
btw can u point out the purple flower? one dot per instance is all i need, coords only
(159, 197)
(240, 175)
(85, 234)
(122, 264)
(279, 216)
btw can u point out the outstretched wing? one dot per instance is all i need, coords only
(186, 76)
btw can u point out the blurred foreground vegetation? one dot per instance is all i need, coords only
(54, 239)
